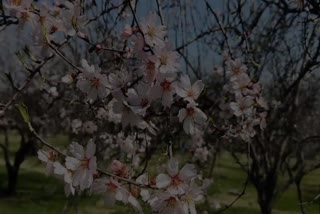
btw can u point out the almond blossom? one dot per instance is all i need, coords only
(192, 195)
(165, 89)
(83, 164)
(67, 174)
(112, 190)
(119, 79)
(71, 19)
(92, 82)
(128, 116)
(148, 67)
(167, 202)
(243, 106)
(187, 91)
(140, 98)
(236, 68)
(127, 32)
(119, 169)
(176, 180)
(167, 60)
(153, 34)
(22, 10)
(49, 158)
(192, 117)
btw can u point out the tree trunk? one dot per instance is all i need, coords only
(266, 191)
(12, 181)
(13, 170)
(265, 201)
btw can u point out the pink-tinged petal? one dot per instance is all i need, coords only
(77, 150)
(92, 93)
(145, 194)
(156, 91)
(197, 88)
(188, 126)
(134, 202)
(103, 92)
(49, 168)
(86, 66)
(77, 177)
(173, 167)
(105, 81)
(178, 209)
(72, 163)
(85, 180)
(122, 195)
(68, 177)
(188, 172)
(93, 164)
(84, 85)
(181, 92)
(177, 189)
(116, 166)
(182, 114)
(163, 180)
(89, 180)
(43, 156)
(236, 109)
(58, 168)
(192, 208)
(185, 82)
(90, 149)
(167, 99)
(185, 207)
(200, 117)
(143, 179)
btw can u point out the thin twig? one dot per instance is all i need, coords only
(220, 26)
(160, 12)
(64, 58)
(24, 85)
(237, 198)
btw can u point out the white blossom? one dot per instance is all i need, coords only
(187, 91)
(176, 180)
(49, 157)
(192, 118)
(83, 164)
(92, 82)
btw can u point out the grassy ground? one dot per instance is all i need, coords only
(40, 194)
(229, 178)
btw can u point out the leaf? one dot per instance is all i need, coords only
(21, 59)
(24, 112)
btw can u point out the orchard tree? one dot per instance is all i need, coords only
(128, 84)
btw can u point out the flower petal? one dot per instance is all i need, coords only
(163, 180)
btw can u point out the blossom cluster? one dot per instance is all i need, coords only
(146, 80)
(173, 191)
(144, 91)
(78, 169)
(248, 106)
(155, 78)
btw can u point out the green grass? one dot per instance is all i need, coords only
(40, 194)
